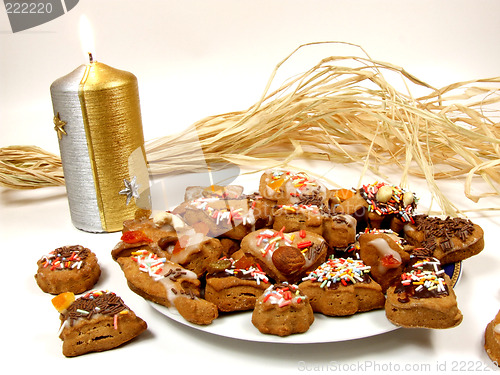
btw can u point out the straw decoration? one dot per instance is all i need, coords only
(344, 110)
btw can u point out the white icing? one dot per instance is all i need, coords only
(174, 284)
(195, 241)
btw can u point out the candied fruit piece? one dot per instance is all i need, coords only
(389, 261)
(134, 236)
(344, 194)
(62, 301)
(276, 184)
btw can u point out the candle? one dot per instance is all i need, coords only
(99, 128)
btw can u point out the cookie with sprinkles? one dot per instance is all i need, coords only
(162, 281)
(381, 206)
(231, 217)
(423, 297)
(342, 287)
(285, 256)
(282, 310)
(68, 269)
(95, 322)
(288, 187)
(235, 284)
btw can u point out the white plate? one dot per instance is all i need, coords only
(324, 329)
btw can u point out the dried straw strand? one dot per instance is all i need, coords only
(345, 110)
(29, 167)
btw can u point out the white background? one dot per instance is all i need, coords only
(199, 58)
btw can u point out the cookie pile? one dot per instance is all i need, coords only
(295, 248)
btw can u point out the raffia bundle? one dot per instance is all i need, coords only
(344, 110)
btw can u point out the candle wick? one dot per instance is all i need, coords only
(91, 59)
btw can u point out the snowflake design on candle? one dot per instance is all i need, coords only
(131, 189)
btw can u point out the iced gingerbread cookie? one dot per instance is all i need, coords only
(287, 187)
(451, 240)
(231, 217)
(384, 253)
(282, 310)
(95, 322)
(217, 191)
(68, 269)
(192, 250)
(235, 285)
(285, 256)
(339, 230)
(423, 297)
(492, 339)
(167, 283)
(341, 287)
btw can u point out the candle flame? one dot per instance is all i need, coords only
(87, 38)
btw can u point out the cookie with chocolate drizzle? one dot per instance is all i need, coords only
(423, 297)
(96, 322)
(68, 269)
(451, 240)
(167, 283)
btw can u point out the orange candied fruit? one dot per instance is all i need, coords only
(344, 194)
(134, 236)
(62, 301)
(276, 184)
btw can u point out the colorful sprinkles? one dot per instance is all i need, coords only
(424, 278)
(282, 294)
(65, 258)
(395, 205)
(150, 263)
(225, 215)
(339, 270)
(253, 271)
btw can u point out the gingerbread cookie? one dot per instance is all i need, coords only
(423, 297)
(380, 206)
(192, 250)
(169, 284)
(451, 240)
(492, 339)
(287, 187)
(225, 217)
(384, 253)
(282, 310)
(339, 230)
(68, 269)
(285, 256)
(341, 287)
(235, 285)
(95, 322)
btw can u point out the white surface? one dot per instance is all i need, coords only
(200, 58)
(239, 326)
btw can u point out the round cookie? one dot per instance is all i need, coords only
(68, 269)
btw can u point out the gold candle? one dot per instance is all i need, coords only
(98, 122)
